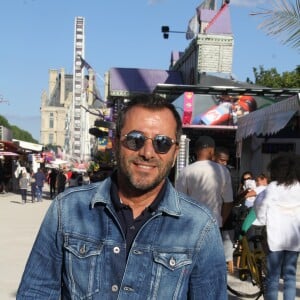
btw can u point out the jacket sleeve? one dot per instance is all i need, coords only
(42, 275)
(209, 276)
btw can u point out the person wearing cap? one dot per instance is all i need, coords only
(207, 181)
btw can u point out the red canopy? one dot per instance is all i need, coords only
(7, 153)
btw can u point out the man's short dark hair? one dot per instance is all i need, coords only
(152, 102)
(222, 150)
(203, 142)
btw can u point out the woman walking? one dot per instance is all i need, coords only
(278, 207)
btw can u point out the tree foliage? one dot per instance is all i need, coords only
(17, 133)
(272, 79)
(282, 21)
(4, 122)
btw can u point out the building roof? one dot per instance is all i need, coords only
(125, 82)
(219, 22)
(215, 79)
(216, 85)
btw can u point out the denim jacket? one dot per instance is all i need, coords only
(79, 252)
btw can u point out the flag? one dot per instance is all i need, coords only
(84, 63)
(188, 99)
(207, 4)
(193, 28)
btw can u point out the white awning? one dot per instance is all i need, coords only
(267, 120)
(58, 162)
(29, 146)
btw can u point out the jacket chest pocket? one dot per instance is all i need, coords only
(171, 271)
(82, 266)
(172, 261)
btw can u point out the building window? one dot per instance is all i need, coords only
(51, 138)
(51, 120)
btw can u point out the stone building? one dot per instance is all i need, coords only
(56, 107)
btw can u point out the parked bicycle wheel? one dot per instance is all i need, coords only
(247, 280)
(243, 288)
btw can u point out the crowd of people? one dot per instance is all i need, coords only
(138, 235)
(30, 184)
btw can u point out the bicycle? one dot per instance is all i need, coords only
(250, 260)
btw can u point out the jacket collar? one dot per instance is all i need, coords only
(169, 204)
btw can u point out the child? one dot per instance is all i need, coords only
(23, 183)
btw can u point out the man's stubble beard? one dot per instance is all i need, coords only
(139, 184)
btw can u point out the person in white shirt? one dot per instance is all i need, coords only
(207, 181)
(260, 183)
(278, 207)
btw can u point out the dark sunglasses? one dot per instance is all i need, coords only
(135, 140)
(247, 178)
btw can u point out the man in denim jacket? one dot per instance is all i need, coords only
(131, 236)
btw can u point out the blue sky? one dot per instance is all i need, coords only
(37, 35)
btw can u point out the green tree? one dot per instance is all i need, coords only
(4, 122)
(17, 133)
(23, 135)
(282, 21)
(272, 79)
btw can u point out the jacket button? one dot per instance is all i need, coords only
(172, 262)
(116, 250)
(114, 288)
(82, 249)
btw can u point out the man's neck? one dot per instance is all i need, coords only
(138, 201)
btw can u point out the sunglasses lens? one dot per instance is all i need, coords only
(162, 143)
(134, 141)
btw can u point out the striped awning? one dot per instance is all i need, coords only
(268, 120)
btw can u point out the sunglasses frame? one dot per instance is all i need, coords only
(144, 138)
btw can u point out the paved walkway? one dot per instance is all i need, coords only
(19, 225)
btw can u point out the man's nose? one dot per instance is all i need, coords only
(147, 150)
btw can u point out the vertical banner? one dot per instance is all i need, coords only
(188, 99)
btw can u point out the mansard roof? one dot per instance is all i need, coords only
(125, 82)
